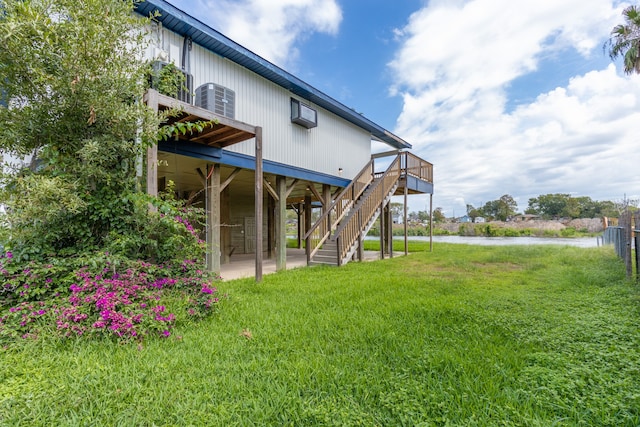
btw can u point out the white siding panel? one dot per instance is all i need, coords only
(333, 144)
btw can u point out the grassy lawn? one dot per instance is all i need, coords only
(466, 335)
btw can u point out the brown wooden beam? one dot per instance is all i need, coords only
(315, 193)
(202, 114)
(404, 220)
(300, 224)
(280, 223)
(203, 177)
(271, 228)
(152, 151)
(307, 224)
(258, 202)
(326, 202)
(431, 222)
(291, 187)
(230, 178)
(213, 218)
(270, 189)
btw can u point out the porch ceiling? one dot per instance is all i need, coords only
(222, 133)
(182, 171)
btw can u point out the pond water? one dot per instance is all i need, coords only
(582, 242)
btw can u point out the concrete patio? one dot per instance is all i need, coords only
(241, 266)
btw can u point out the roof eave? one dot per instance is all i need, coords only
(181, 23)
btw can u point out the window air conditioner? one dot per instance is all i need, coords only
(303, 115)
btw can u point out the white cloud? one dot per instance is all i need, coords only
(454, 67)
(270, 28)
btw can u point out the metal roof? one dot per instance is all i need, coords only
(181, 23)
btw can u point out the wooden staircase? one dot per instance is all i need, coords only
(337, 235)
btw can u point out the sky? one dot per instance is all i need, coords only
(502, 96)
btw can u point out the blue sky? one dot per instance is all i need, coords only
(504, 97)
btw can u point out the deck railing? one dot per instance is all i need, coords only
(417, 167)
(378, 185)
(351, 230)
(342, 204)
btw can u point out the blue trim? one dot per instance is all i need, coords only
(419, 185)
(228, 158)
(191, 149)
(185, 25)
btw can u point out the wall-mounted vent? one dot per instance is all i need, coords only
(303, 115)
(216, 98)
(184, 93)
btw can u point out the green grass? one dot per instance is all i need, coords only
(465, 335)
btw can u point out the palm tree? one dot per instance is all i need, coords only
(625, 40)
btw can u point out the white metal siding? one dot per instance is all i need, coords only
(333, 144)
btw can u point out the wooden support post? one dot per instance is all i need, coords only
(225, 232)
(326, 203)
(382, 231)
(258, 203)
(271, 227)
(404, 219)
(431, 222)
(307, 225)
(280, 219)
(301, 229)
(152, 152)
(213, 218)
(360, 239)
(390, 229)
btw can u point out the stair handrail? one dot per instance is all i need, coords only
(341, 205)
(348, 231)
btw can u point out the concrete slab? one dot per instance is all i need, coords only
(241, 266)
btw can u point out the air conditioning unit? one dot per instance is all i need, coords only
(303, 115)
(185, 92)
(218, 99)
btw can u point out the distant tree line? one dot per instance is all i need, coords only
(551, 206)
(547, 206)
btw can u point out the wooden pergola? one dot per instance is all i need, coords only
(222, 132)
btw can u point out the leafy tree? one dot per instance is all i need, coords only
(397, 209)
(625, 40)
(548, 205)
(489, 210)
(606, 208)
(438, 216)
(563, 205)
(73, 76)
(500, 209)
(420, 216)
(473, 213)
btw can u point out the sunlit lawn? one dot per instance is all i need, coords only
(465, 335)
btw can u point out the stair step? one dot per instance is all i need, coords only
(314, 262)
(327, 255)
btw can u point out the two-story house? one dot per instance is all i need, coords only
(278, 144)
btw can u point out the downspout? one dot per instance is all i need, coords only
(186, 56)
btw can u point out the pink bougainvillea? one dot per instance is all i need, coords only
(125, 304)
